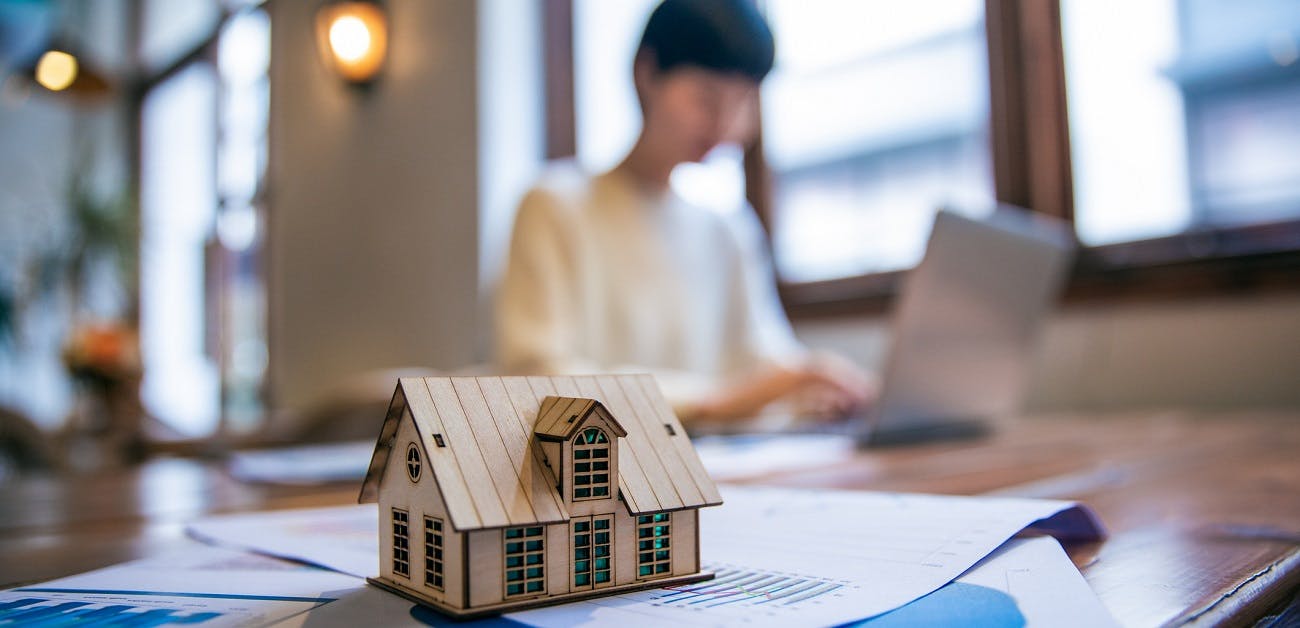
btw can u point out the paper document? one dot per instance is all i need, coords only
(1025, 582)
(343, 538)
(822, 557)
(308, 464)
(828, 556)
(205, 585)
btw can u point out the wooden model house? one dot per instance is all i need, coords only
(501, 493)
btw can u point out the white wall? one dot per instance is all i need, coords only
(373, 217)
(1199, 354)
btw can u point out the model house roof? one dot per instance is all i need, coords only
(560, 417)
(478, 435)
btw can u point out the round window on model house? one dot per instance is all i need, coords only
(413, 462)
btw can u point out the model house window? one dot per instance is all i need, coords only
(413, 462)
(524, 561)
(653, 534)
(433, 552)
(591, 552)
(401, 544)
(591, 465)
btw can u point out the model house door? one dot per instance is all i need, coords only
(593, 565)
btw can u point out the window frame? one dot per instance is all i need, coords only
(1030, 151)
(651, 523)
(218, 261)
(414, 462)
(401, 522)
(589, 527)
(435, 541)
(591, 486)
(524, 536)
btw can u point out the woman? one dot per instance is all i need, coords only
(615, 272)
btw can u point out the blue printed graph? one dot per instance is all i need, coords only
(57, 607)
(37, 612)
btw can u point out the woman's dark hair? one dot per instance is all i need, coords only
(728, 36)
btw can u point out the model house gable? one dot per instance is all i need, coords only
(560, 418)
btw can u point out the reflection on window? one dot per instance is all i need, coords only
(243, 53)
(203, 307)
(177, 206)
(875, 115)
(1182, 114)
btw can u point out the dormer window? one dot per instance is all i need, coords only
(591, 464)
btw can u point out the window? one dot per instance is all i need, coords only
(875, 115)
(204, 108)
(401, 544)
(433, 553)
(591, 465)
(1166, 132)
(243, 62)
(591, 551)
(413, 462)
(1182, 115)
(524, 561)
(653, 539)
(178, 199)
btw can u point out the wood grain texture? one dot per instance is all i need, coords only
(472, 464)
(516, 495)
(1202, 508)
(645, 391)
(651, 438)
(656, 477)
(522, 455)
(457, 493)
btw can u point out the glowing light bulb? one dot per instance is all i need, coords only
(349, 38)
(353, 39)
(56, 70)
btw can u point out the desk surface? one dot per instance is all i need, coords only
(1204, 511)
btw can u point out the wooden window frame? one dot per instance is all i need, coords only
(647, 532)
(434, 553)
(414, 462)
(523, 535)
(401, 520)
(1030, 149)
(587, 527)
(592, 487)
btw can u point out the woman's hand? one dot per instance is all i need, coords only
(820, 386)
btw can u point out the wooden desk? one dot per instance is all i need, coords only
(1204, 511)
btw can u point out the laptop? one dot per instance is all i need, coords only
(966, 326)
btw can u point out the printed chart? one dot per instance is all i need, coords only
(55, 608)
(741, 587)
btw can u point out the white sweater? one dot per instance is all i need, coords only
(606, 276)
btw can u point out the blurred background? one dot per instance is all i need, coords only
(229, 222)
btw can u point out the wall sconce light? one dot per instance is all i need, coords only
(59, 70)
(353, 39)
(56, 70)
